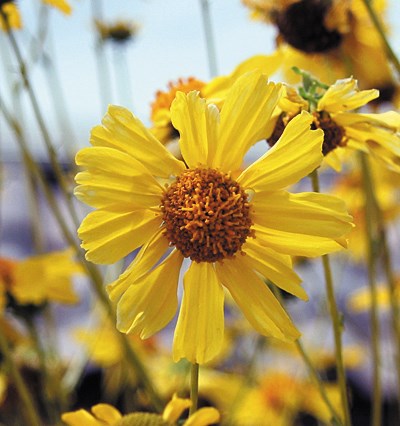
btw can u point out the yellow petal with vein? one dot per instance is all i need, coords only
(256, 300)
(200, 329)
(296, 154)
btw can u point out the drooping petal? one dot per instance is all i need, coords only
(106, 413)
(389, 119)
(200, 328)
(297, 153)
(205, 416)
(79, 418)
(197, 125)
(123, 131)
(151, 302)
(345, 96)
(174, 409)
(298, 244)
(144, 261)
(244, 119)
(218, 87)
(306, 213)
(256, 300)
(274, 266)
(109, 236)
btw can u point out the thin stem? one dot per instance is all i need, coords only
(311, 369)
(39, 118)
(381, 31)
(371, 266)
(336, 321)
(194, 387)
(91, 270)
(209, 34)
(30, 411)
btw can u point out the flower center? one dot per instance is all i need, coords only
(302, 26)
(334, 135)
(206, 215)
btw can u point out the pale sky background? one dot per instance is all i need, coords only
(169, 45)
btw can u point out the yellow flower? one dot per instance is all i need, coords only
(329, 39)
(119, 31)
(214, 91)
(10, 10)
(232, 230)
(41, 278)
(107, 415)
(376, 134)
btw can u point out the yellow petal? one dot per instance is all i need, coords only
(123, 131)
(256, 300)
(297, 244)
(80, 418)
(61, 5)
(203, 417)
(200, 329)
(197, 125)
(305, 213)
(296, 154)
(150, 303)
(147, 257)
(274, 266)
(109, 236)
(174, 409)
(218, 87)
(244, 118)
(11, 11)
(107, 413)
(389, 119)
(344, 96)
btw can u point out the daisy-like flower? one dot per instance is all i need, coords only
(329, 39)
(214, 91)
(107, 415)
(235, 229)
(377, 134)
(38, 279)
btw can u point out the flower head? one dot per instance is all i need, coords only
(233, 228)
(343, 128)
(120, 31)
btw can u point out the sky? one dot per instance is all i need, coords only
(170, 44)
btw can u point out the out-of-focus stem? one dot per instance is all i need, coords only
(336, 322)
(209, 35)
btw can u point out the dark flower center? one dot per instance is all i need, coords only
(206, 215)
(302, 26)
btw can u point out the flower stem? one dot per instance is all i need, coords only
(379, 28)
(209, 34)
(30, 411)
(336, 322)
(194, 387)
(370, 217)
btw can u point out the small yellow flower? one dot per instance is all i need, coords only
(9, 11)
(231, 229)
(377, 134)
(119, 31)
(38, 279)
(214, 91)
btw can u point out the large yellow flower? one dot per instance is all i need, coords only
(234, 230)
(330, 39)
(377, 134)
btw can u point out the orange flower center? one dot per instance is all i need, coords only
(206, 215)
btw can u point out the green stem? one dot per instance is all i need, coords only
(30, 411)
(209, 34)
(336, 322)
(194, 387)
(369, 203)
(92, 271)
(381, 31)
(312, 370)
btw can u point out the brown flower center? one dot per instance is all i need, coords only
(302, 26)
(206, 215)
(334, 135)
